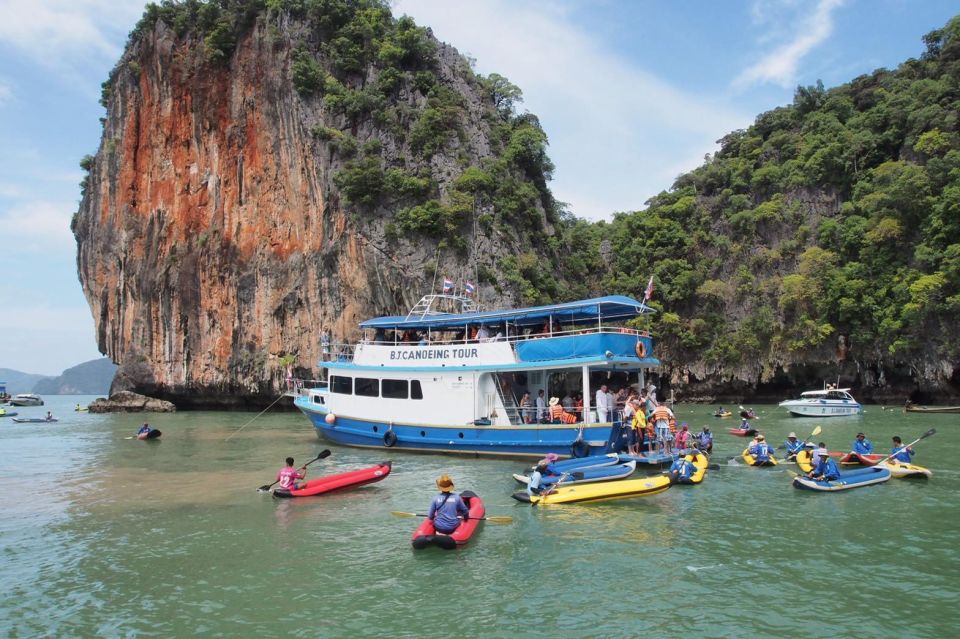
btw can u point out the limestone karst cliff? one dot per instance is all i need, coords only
(267, 174)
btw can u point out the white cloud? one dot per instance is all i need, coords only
(613, 126)
(65, 33)
(37, 225)
(780, 66)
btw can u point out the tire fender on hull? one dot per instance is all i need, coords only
(389, 439)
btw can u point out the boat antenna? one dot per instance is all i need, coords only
(436, 269)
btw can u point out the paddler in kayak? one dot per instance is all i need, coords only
(144, 430)
(447, 507)
(761, 451)
(681, 470)
(288, 475)
(793, 445)
(900, 452)
(705, 440)
(826, 469)
(862, 445)
(533, 486)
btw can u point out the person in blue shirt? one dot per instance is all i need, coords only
(900, 452)
(144, 429)
(447, 507)
(826, 469)
(681, 470)
(761, 451)
(705, 440)
(862, 445)
(792, 444)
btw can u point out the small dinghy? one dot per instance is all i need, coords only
(585, 476)
(151, 434)
(352, 479)
(604, 491)
(35, 420)
(750, 460)
(743, 432)
(847, 480)
(426, 535)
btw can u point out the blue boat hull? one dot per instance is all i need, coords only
(847, 480)
(512, 441)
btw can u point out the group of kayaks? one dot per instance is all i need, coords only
(604, 478)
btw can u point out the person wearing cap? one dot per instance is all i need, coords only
(862, 445)
(536, 477)
(825, 469)
(792, 444)
(744, 424)
(761, 451)
(682, 438)
(447, 507)
(681, 469)
(900, 452)
(705, 440)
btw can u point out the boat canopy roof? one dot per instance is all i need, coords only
(825, 392)
(609, 308)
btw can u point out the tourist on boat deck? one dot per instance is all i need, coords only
(611, 405)
(578, 405)
(638, 425)
(792, 444)
(662, 417)
(761, 451)
(900, 452)
(542, 415)
(825, 468)
(567, 402)
(681, 469)
(483, 335)
(862, 445)
(288, 475)
(602, 406)
(705, 440)
(682, 439)
(526, 409)
(447, 507)
(558, 415)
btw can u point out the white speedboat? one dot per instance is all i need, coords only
(829, 402)
(26, 399)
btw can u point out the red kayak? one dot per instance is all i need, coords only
(851, 459)
(323, 485)
(743, 432)
(426, 535)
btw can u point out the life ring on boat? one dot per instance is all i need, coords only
(641, 349)
(389, 438)
(579, 449)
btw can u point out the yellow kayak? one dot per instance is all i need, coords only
(803, 460)
(750, 461)
(603, 491)
(902, 470)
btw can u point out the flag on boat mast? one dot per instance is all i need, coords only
(468, 289)
(447, 285)
(647, 294)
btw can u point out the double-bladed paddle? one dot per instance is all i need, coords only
(323, 455)
(932, 431)
(497, 519)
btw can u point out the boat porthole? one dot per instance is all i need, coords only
(423, 433)
(460, 435)
(389, 438)
(376, 429)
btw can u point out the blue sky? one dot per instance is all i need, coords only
(630, 93)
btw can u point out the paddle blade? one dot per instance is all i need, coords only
(932, 431)
(397, 513)
(263, 488)
(324, 453)
(500, 519)
(816, 431)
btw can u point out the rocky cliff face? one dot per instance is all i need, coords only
(212, 237)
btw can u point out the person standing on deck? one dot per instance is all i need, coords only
(602, 406)
(541, 407)
(661, 421)
(447, 508)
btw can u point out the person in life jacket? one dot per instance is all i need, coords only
(826, 469)
(761, 451)
(792, 444)
(558, 415)
(900, 452)
(862, 445)
(682, 438)
(661, 418)
(705, 440)
(681, 470)
(638, 426)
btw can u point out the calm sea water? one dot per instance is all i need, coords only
(106, 536)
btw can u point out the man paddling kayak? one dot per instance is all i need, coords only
(900, 452)
(681, 470)
(447, 507)
(288, 475)
(792, 444)
(761, 451)
(826, 469)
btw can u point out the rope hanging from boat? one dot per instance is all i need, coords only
(255, 417)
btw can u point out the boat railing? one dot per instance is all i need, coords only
(410, 340)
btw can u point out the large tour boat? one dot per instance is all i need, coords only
(829, 402)
(448, 377)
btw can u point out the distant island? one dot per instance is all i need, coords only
(89, 378)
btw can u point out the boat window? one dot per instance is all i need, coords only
(415, 391)
(395, 388)
(367, 386)
(343, 385)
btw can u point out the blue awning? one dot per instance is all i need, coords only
(609, 308)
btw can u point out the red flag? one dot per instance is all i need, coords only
(647, 294)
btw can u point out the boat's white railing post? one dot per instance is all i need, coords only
(585, 387)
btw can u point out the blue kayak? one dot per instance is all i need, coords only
(654, 459)
(579, 463)
(847, 480)
(585, 476)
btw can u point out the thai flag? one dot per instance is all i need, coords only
(468, 289)
(647, 294)
(447, 285)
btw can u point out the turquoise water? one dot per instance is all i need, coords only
(108, 536)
